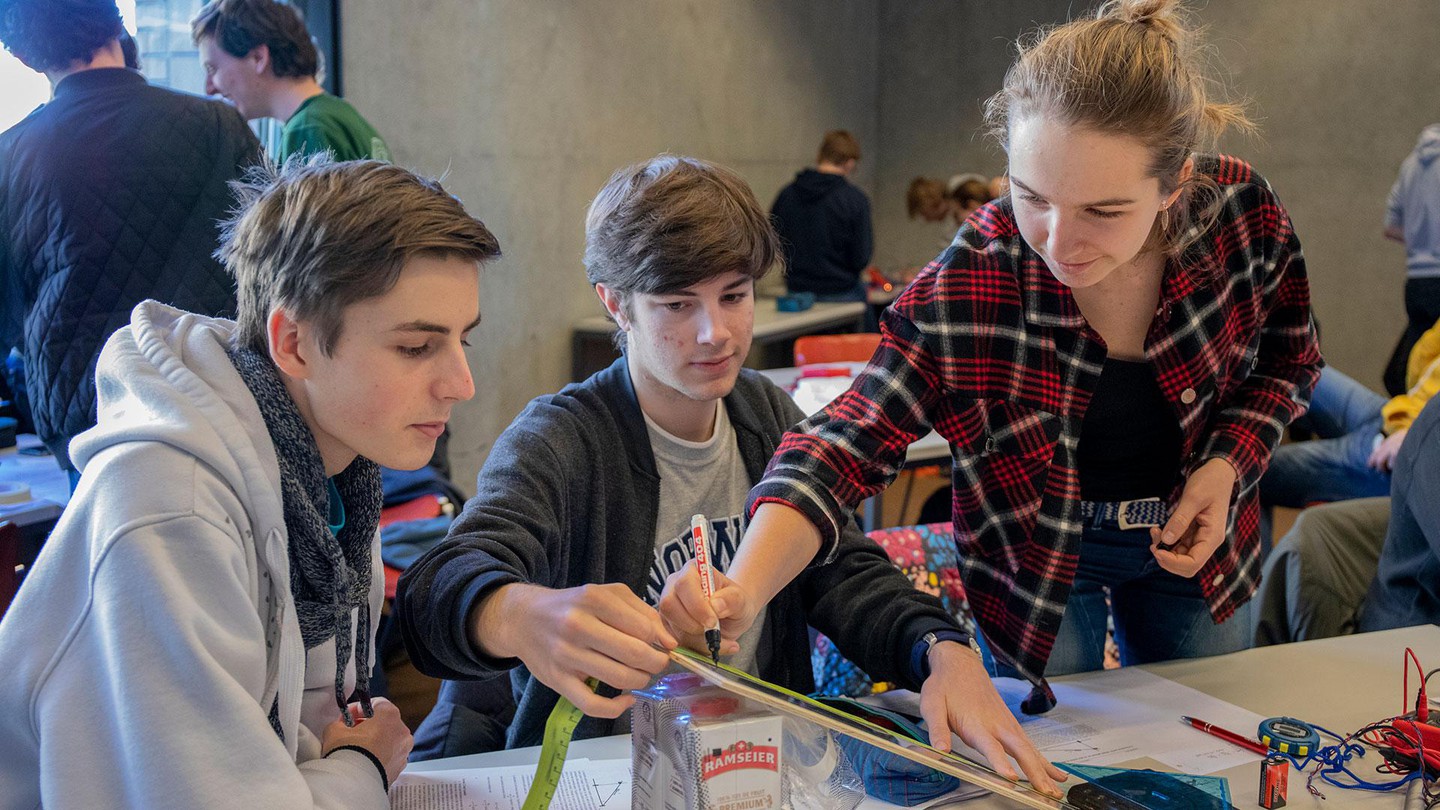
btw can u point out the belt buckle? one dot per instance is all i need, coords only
(1123, 521)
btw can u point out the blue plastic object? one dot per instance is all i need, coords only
(1217, 786)
(795, 302)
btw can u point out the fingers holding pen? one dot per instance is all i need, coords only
(688, 613)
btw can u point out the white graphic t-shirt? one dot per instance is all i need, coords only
(706, 478)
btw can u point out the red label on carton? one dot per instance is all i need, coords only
(740, 756)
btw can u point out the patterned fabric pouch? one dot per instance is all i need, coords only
(927, 556)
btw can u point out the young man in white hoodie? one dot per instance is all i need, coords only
(199, 623)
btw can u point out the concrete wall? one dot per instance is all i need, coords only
(940, 60)
(1340, 90)
(529, 106)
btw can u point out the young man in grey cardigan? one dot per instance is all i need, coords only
(583, 507)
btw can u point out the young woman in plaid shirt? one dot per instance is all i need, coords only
(1112, 351)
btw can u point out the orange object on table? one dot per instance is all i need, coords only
(853, 348)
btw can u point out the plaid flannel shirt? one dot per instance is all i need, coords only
(990, 350)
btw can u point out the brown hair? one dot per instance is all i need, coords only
(671, 222)
(923, 193)
(1135, 70)
(976, 191)
(838, 147)
(240, 26)
(317, 236)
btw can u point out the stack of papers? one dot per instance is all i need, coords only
(1126, 715)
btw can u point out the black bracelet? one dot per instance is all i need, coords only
(370, 755)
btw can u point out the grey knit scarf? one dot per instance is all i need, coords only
(329, 573)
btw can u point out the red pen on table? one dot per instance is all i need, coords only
(1227, 735)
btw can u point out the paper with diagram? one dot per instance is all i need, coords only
(1127, 714)
(586, 784)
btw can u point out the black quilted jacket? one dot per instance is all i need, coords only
(109, 195)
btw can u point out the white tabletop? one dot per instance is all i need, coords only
(48, 483)
(1340, 683)
(928, 449)
(770, 323)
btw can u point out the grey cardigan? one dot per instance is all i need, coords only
(569, 496)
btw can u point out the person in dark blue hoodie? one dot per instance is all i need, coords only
(824, 224)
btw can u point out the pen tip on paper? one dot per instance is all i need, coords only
(712, 640)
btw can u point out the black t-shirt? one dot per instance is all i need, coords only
(1130, 440)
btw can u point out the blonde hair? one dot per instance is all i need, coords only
(1135, 69)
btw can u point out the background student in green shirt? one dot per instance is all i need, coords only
(259, 56)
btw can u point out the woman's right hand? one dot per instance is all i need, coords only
(385, 735)
(687, 613)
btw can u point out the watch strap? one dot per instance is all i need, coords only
(920, 655)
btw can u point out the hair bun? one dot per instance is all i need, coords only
(1164, 16)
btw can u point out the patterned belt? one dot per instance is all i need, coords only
(1125, 515)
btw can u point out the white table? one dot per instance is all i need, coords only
(49, 485)
(49, 492)
(928, 449)
(1339, 683)
(592, 348)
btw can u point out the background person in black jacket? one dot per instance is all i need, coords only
(109, 195)
(824, 225)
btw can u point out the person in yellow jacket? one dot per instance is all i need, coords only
(1358, 433)
(1422, 380)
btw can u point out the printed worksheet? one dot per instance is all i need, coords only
(1127, 714)
(586, 784)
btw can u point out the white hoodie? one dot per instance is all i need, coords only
(139, 662)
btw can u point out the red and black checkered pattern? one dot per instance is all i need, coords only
(990, 350)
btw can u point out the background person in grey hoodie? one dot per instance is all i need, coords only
(824, 225)
(1412, 216)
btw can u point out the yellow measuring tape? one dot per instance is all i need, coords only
(559, 728)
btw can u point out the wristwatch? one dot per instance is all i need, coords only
(929, 640)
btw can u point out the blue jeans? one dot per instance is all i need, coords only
(1345, 417)
(1159, 616)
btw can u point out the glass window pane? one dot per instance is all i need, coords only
(167, 56)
